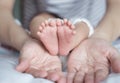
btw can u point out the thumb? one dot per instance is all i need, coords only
(23, 65)
(114, 59)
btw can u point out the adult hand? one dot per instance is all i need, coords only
(91, 60)
(34, 59)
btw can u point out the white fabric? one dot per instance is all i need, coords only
(93, 10)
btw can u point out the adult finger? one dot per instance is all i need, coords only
(100, 75)
(89, 77)
(79, 77)
(62, 79)
(114, 58)
(41, 73)
(70, 77)
(23, 65)
(56, 75)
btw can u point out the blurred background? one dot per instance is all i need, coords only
(17, 9)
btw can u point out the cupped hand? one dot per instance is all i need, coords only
(91, 60)
(35, 60)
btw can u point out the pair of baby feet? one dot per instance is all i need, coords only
(56, 35)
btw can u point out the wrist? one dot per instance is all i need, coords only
(82, 29)
(89, 26)
(34, 24)
(31, 43)
(23, 41)
(102, 35)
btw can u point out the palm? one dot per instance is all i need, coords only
(91, 58)
(38, 60)
(41, 58)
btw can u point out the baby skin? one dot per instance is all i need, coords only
(61, 36)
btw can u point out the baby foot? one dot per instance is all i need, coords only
(67, 40)
(65, 34)
(48, 36)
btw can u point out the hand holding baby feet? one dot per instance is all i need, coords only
(48, 36)
(61, 36)
(37, 61)
(91, 60)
